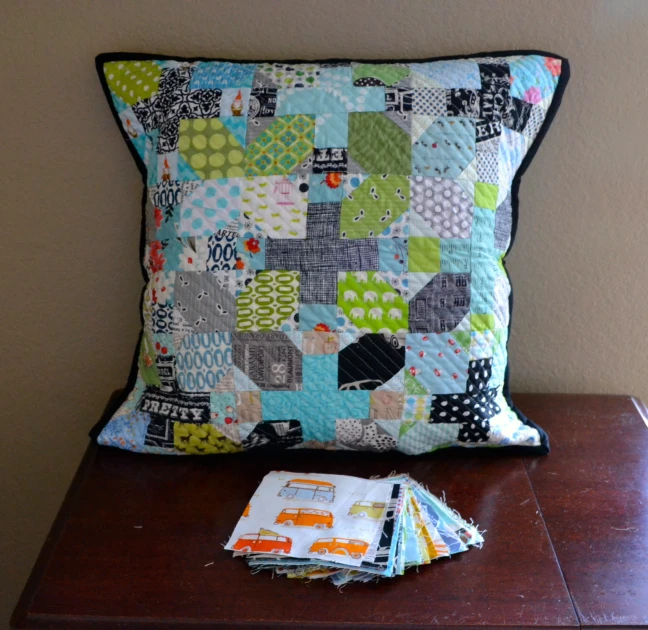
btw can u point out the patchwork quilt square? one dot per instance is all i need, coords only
(324, 246)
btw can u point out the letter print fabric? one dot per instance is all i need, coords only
(324, 247)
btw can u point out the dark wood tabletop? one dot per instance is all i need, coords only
(138, 540)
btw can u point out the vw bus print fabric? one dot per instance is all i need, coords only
(324, 250)
(345, 528)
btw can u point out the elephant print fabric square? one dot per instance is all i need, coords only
(324, 246)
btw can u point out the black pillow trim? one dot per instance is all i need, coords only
(104, 58)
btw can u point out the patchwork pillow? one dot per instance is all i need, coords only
(324, 250)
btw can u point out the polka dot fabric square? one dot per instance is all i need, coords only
(323, 244)
(210, 148)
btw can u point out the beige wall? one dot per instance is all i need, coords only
(71, 193)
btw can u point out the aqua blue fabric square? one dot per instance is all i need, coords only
(336, 78)
(252, 252)
(320, 373)
(483, 262)
(305, 101)
(280, 405)
(532, 80)
(421, 437)
(126, 431)
(445, 148)
(324, 189)
(222, 74)
(310, 315)
(392, 254)
(438, 362)
(455, 255)
(322, 403)
(360, 99)
(450, 74)
(332, 131)
(222, 407)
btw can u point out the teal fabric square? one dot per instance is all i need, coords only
(483, 262)
(222, 75)
(439, 363)
(280, 405)
(312, 315)
(445, 148)
(324, 188)
(392, 254)
(222, 407)
(305, 101)
(423, 437)
(336, 78)
(361, 99)
(455, 255)
(251, 251)
(332, 131)
(460, 73)
(320, 373)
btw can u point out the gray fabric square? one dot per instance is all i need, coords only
(318, 288)
(441, 304)
(322, 255)
(269, 359)
(204, 301)
(323, 220)
(503, 224)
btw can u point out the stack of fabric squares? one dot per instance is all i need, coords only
(345, 528)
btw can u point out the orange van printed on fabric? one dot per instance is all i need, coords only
(305, 517)
(340, 546)
(263, 542)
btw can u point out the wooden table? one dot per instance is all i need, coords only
(138, 540)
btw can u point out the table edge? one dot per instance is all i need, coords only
(21, 615)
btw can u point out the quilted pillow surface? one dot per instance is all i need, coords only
(324, 247)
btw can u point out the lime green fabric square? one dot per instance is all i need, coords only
(486, 196)
(210, 148)
(133, 81)
(370, 303)
(379, 145)
(374, 205)
(481, 322)
(424, 254)
(376, 73)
